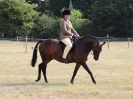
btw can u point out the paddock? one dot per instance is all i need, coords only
(113, 73)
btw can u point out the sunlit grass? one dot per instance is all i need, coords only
(113, 73)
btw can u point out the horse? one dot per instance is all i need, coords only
(53, 49)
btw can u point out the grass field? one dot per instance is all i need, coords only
(113, 73)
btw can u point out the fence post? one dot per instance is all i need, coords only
(128, 42)
(108, 41)
(2, 35)
(32, 42)
(26, 43)
(17, 40)
(32, 38)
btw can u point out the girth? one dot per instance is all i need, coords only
(74, 40)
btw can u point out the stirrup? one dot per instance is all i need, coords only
(65, 61)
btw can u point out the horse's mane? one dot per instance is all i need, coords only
(89, 36)
(80, 38)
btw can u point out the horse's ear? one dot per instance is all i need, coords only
(103, 43)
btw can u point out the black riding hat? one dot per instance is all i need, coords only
(66, 12)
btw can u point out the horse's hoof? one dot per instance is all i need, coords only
(37, 80)
(94, 82)
(71, 82)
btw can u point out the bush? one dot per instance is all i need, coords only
(46, 27)
(16, 17)
(80, 24)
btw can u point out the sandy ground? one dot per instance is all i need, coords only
(113, 73)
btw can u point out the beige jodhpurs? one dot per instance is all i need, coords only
(68, 47)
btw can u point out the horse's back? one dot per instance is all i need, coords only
(50, 46)
(54, 48)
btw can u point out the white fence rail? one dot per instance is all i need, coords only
(107, 38)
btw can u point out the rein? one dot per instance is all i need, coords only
(74, 38)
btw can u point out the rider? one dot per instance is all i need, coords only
(67, 31)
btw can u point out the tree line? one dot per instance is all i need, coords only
(40, 18)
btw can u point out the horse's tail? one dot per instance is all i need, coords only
(34, 57)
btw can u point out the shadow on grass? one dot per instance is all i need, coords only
(34, 84)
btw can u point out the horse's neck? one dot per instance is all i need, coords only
(88, 43)
(89, 50)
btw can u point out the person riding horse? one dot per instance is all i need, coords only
(67, 32)
(53, 49)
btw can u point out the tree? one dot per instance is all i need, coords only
(46, 26)
(71, 5)
(41, 5)
(113, 16)
(79, 23)
(33, 1)
(16, 17)
(55, 6)
(85, 6)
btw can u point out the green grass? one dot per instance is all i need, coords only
(113, 73)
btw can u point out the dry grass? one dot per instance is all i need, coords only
(113, 73)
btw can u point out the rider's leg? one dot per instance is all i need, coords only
(68, 47)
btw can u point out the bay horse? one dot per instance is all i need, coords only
(53, 49)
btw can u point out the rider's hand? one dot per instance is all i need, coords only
(72, 34)
(78, 36)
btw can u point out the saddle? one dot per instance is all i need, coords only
(74, 40)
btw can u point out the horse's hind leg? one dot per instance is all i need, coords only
(74, 73)
(44, 72)
(89, 71)
(39, 72)
(44, 69)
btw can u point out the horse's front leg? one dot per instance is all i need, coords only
(89, 71)
(75, 72)
(39, 72)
